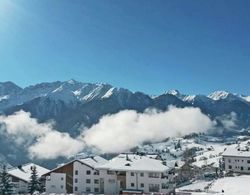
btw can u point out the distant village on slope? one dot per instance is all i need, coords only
(193, 165)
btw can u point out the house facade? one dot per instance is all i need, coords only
(136, 174)
(237, 159)
(124, 174)
(20, 176)
(78, 176)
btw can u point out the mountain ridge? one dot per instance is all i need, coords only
(72, 104)
(45, 87)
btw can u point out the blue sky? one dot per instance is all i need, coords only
(151, 46)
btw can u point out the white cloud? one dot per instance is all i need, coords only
(114, 133)
(127, 129)
(55, 144)
(228, 121)
(22, 128)
(41, 140)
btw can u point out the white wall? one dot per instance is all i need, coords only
(236, 163)
(82, 177)
(144, 179)
(20, 187)
(111, 185)
(56, 183)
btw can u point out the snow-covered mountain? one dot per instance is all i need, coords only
(72, 104)
(215, 96)
(224, 95)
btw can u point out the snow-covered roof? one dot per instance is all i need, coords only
(237, 151)
(24, 172)
(133, 162)
(94, 161)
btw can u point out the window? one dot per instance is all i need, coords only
(132, 174)
(241, 168)
(62, 178)
(242, 160)
(248, 161)
(76, 172)
(132, 184)
(61, 187)
(164, 176)
(154, 187)
(248, 168)
(96, 173)
(76, 180)
(88, 172)
(88, 189)
(76, 189)
(110, 172)
(153, 175)
(96, 181)
(142, 174)
(96, 190)
(142, 185)
(229, 160)
(229, 167)
(164, 186)
(88, 181)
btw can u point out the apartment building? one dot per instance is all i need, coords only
(237, 159)
(135, 174)
(78, 176)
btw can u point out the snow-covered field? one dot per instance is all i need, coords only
(238, 185)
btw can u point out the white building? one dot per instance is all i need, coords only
(20, 176)
(135, 174)
(78, 176)
(237, 159)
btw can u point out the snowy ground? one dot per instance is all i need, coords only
(231, 185)
(208, 153)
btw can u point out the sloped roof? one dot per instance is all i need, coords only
(92, 162)
(237, 151)
(133, 162)
(25, 172)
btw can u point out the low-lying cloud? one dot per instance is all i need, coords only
(55, 144)
(40, 139)
(228, 121)
(22, 128)
(114, 133)
(127, 129)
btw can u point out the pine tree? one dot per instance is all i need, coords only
(5, 183)
(221, 168)
(34, 184)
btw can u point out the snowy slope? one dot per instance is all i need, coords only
(238, 185)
